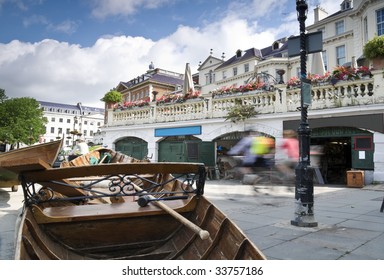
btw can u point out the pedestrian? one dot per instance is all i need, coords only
(290, 154)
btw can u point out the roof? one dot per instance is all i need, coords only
(71, 107)
(248, 54)
(271, 52)
(157, 75)
(165, 79)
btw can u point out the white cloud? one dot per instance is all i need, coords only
(104, 8)
(59, 72)
(67, 27)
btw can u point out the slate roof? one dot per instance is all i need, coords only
(269, 52)
(250, 53)
(156, 77)
(165, 79)
(70, 107)
(262, 54)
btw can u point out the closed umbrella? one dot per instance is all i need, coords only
(188, 82)
(317, 66)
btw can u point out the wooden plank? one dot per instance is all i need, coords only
(105, 211)
(27, 164)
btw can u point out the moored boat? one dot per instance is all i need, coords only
(46, 152)
(124, 211)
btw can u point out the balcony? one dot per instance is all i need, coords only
(280, 99)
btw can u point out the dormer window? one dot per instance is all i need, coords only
(239, 53)
(275, 46)
(346, 5)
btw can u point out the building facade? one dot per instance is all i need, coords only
(72, 122)
(346, 116)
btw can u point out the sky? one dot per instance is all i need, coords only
(71, 51)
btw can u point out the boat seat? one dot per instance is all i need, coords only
(105, 211)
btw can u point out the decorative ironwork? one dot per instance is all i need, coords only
(267, 79)
(116, 186)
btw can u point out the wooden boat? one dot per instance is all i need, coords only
(127, 211)
(100, 155)
(46, 152)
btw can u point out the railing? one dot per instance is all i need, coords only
(113, 181)
(324, 96)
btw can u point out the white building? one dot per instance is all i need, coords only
(72, 122)
(346, 117)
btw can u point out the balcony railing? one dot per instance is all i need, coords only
(324, 96)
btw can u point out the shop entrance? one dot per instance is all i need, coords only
(342, 149)
(336, 159)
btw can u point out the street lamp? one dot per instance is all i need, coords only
(304, 216)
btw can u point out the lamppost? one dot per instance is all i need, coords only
(304, 215)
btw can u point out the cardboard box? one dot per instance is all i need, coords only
(355, 178)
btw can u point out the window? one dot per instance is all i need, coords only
(68, 131)
(246, 67)
(380, 22)
(68, 120)
(365, 30)
(339, 27)
(224, 74)
(275, 46)
(52, 130)
(61, 120)
(60, 131)
(53, 119)
(209, 78)
(340, 55)
(85, 122)
(85, 133)
(363, 143)
(234, 71)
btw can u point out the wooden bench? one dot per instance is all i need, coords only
(105, 211)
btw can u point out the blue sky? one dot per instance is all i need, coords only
(73, 51)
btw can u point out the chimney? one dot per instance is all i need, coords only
(319, 13)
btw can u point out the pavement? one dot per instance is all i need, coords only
(350, 224)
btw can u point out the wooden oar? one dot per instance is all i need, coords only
(202, 233)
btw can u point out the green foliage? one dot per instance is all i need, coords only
(241, 112)
(21, 121)
(3, 96)
(374, 48)
(112, 96)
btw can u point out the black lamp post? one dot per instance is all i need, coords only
(304, 216)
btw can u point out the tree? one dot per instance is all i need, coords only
(112, 96)
(2, 95)
(21, 121)
(240, 112)
(374, 48)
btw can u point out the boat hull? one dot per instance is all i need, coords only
(97, 212)
(155, 235)
(46, 152)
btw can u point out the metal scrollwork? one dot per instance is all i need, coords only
(114, 186)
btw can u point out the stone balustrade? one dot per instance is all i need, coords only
(280, 100)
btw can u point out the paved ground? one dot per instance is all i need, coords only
(350, 225)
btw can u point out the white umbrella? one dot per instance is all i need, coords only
(317, 66)
(188, 82)
(354, 62)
